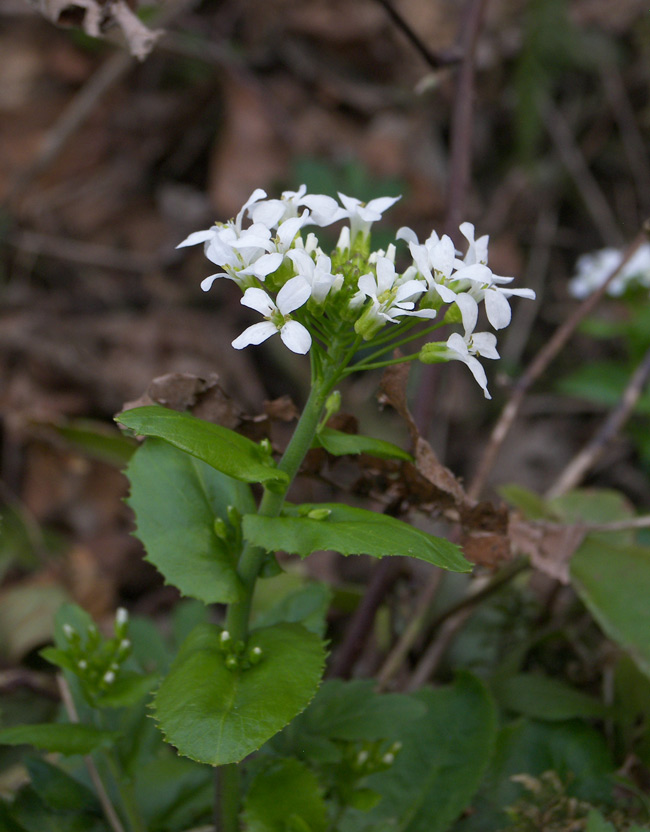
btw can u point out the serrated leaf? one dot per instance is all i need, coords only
(350, 531)
(215, 715)
(442, 761)
(285, 794)
(338, 443)
(614, 583)
(176, 498)
(221, 448)
(66, 739)
(545, 698)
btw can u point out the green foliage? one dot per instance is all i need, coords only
(351, 531)
(614, 583)
(218, 711)
(307, 605)
(338, 443)
(440, 766)
(285, 796)
(542, 697)
(175, 499)
(98, 440)
(223, 449)
(63, 738)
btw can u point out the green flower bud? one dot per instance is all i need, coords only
(319, 513)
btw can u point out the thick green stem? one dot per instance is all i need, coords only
(226, 787)
(252, 557)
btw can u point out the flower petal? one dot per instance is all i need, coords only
(255, 334)
(206, 283)
(497, 309)
(197, 237)
(293, 294)
(296, 337)
(259, 300)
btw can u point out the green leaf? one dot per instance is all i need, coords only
(532, 505)
(223, 449)
(338, 443)
(128, 689)
(350, 531)
(597, 823)
(98, 440)
(442, 761)
(216, 715)
(58, 790)
(614, 583)
(66, 739)
(355, 711)
(175, 499)
(308, 606)
(283, 795)
(544, 698)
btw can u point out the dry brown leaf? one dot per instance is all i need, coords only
(96, 16)
(548, 545)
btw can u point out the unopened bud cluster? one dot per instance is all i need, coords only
(97, 660)
(237, 655)
(312, 298)
(372, 757)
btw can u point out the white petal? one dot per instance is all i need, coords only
(410, 288)
(382, 203)
(368, 285)
(485, 344)
(349, 202)
(324, 209)
(421, 258)
(266, 265)
(445, 293)
(293, 294)
(477, 272)
(468, 310)
(407, 234)
(255, 334)
(497, 309)
(479, 374)
(288, 229)
(197, 237)
(456, 343)
(385, 274)
(296, 337)
(269, 213)
(207, 282)
(302, 262)
(259, 300)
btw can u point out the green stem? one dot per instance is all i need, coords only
(227, 786)
(252, 557)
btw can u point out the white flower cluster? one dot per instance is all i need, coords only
(593, 269)
(303, 293)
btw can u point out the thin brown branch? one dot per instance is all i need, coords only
(109, 810)
(577, 167)
(539, 364)
(436, 60)
(462, 117)
(576, 470)
(383, 577)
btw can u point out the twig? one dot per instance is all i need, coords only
(538, 366)
(594, 449)
(436, 60)
(574, 161)
(633, 142)
(109, 810)
(76, 251)
(383, 577)
(462, 115)
(412, 632)
(452, 619)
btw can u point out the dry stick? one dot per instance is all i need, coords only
(109, 810)
(538, 366)
(574, 161)
(435, 60)
(460, 164)
(81, 107)
(594, 449)
(383, 577)
(412, 632)
(633, 141)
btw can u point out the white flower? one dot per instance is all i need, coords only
(271, 212)
(483, 286)
(362, 215)
(593, 269)
(241, 254)
(317, 274)
(291, 296)
(477, 251)
(466, 349)
(208, 234)
(390, 299)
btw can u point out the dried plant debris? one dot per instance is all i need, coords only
(96, 17)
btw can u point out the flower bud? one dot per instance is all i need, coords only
(319, 513)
